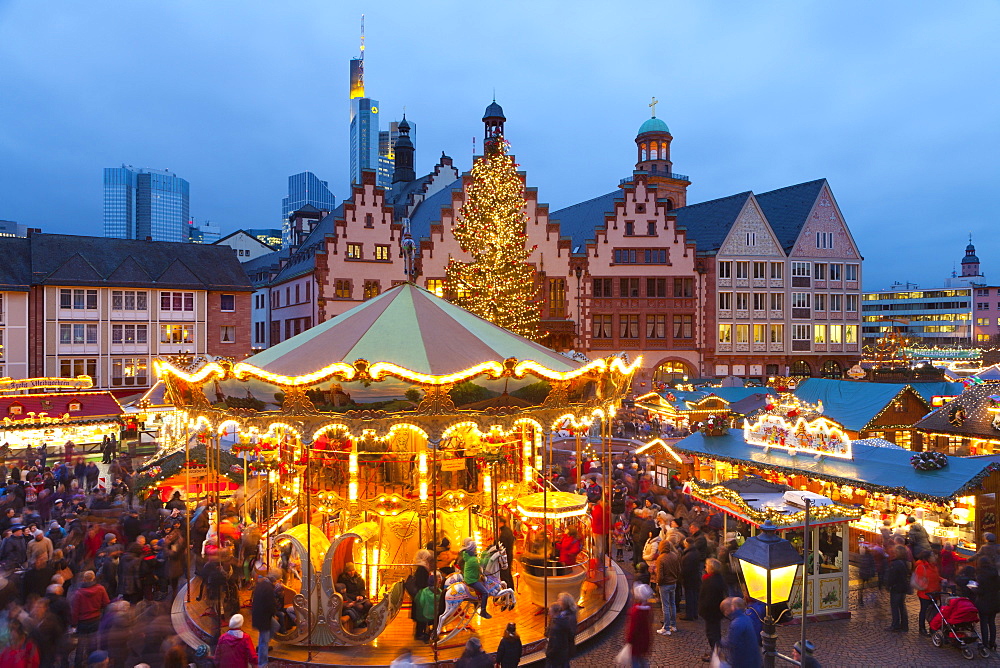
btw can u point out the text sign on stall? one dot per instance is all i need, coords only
(817, 437)
(78, 383)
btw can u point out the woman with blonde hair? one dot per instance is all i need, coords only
(424, 562)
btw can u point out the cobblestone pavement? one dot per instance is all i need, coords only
(858, 642)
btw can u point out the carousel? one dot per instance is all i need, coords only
(404, 424)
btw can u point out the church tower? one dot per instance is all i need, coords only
(493, 119)
(653, 159)
(403, 170)
(970, 263)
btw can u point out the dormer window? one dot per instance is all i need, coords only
(15, 409)
(74, 406)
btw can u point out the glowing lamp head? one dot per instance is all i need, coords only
(769, 565)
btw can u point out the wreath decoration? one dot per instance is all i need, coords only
(929, 461)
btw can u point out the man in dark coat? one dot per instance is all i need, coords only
(262, 611)
(506, 538)
(710, 598)
(743, 642)
(897, 581)
(691, 563)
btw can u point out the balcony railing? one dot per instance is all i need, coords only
(669, 175)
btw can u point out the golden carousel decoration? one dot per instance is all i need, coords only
(400, 423)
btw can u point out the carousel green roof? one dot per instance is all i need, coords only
(412, 328)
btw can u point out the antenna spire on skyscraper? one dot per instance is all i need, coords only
(362, 57)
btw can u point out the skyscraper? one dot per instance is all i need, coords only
(141, 203)
(304, 188)
(364, 118)
(387, 151)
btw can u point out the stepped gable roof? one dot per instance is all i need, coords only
(302, 259)
(63, 259)
(976, 418)
(852, 404)
(411, 328)
(708, 223)
(579, 221)
(787, 209)
(15, 267)
(428, 212)
(402, 193)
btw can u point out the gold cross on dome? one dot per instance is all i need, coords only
(653, 105)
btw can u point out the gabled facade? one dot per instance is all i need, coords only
(246, 246)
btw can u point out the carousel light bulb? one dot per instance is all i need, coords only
(487, 483)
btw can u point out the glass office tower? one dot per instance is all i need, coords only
(364, 136)
(141, 203)
(304, 188)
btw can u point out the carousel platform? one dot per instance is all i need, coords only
(597, 613)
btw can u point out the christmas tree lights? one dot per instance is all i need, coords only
(498, 284)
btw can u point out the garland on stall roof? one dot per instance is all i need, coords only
(929, 461)
(156, 471)
(973, 482)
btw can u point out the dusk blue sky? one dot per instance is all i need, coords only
(896, 103)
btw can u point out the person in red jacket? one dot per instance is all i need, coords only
(235, 649)
(639, 627)
(21, 652)
(87, 606)
(599, 528)
(569, 546)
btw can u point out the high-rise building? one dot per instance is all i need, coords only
(305, 188)
(142, 203)
(364, 119)
(387, 151)
(203, 233)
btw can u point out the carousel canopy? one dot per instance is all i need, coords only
(409, 327)
(552, 505)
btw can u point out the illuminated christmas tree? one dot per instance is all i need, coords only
(497, 284)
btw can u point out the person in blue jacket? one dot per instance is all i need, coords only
(741, 645)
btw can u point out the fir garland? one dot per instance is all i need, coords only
(155, 472)
(929, 461)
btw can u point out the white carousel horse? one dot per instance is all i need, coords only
(461, 601)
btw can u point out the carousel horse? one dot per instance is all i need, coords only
(461, 601)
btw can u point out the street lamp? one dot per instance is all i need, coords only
(769, 565)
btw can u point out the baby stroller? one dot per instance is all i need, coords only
(955, 624)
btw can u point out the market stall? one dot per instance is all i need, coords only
(55, 419)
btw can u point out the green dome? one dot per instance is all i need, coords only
(653, 124)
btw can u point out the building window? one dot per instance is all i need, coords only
(129, 300)
(759, 334)
(819, 271)
(801, 337)
(760, 270)
(850, 333)
(602, 326)
(650, 228)
(382, 252)
(742, 270)
(71, 368)
(628, 326)
(369, 221)
(725, 270)
(725, 301)
(777, 301)
(179, 333)
(684, 287)
(742, 333)
(824, 240)
(777, 333)
(342, 288)
(655, 255)
(629, 228)
(852, 272)
(982, 321)
(801, 270)
(683, 327)
(725, 333)
(354, 251)
(777, 270)
(1, 349)
(836, 302)
(628, 287)
(78, 300)
(760, 301)
(982, 306)
(852, 303)
(656, 326)
(177, 301)
(819, 333)
(602, 287)
(982, 337)
(435, 285)
(372, 289)
(132, 334)
(801, 300)
(819, 302)
(77, 332)
(832, 370)
(228, 334)
(557, 298)
(751, 238)
(835, 272)
(128, 371)
(227, 302)
(656, 287)
(836, 334)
